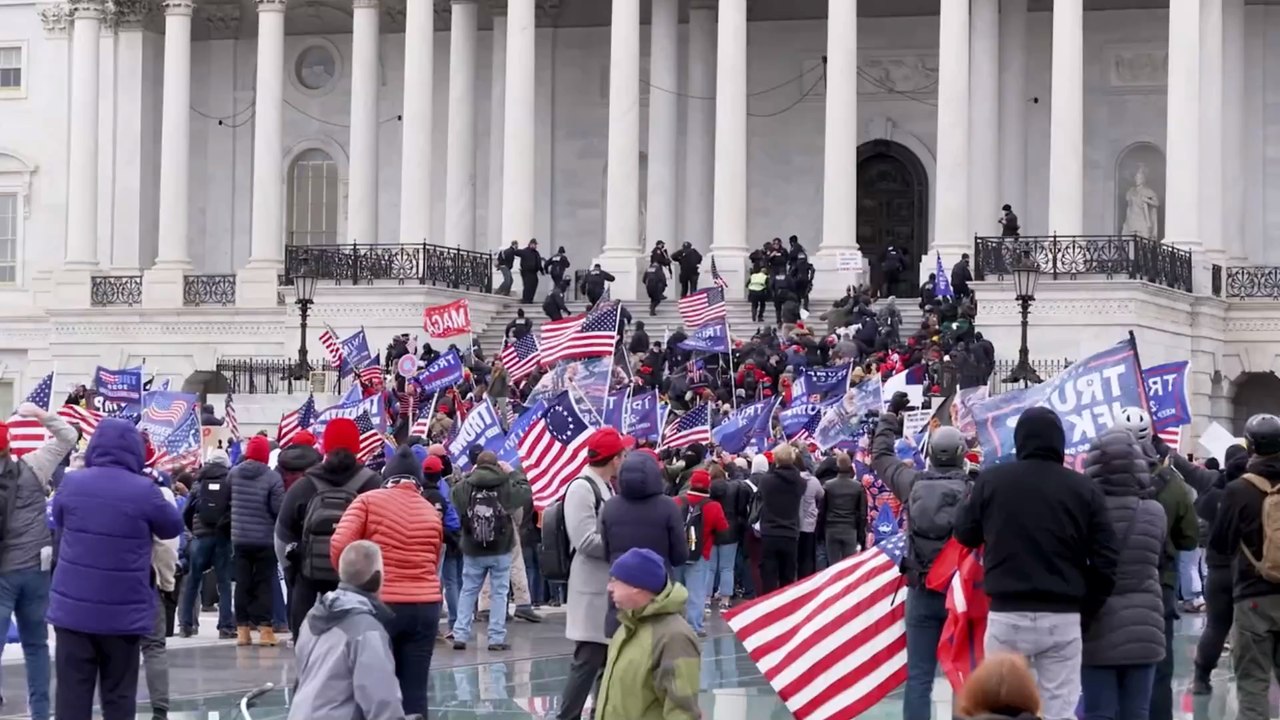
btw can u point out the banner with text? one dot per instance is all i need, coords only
(448, 320)
(481, 427)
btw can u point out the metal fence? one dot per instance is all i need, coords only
(115, 290)
(1252, 282)
(1046, 368)
(1073, 256)
(421, 264)
(263, 376)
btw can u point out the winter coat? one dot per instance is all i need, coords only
(513, 492)
(809, 503)
(256, 495)
(345, 666)
(782, 490)
(1239, 526)
(294, 462)
(1129, 627)
(24, 488)
(589, 572)
(713, 520)
(409, 531)
(336, 470)
(107, 514)
(1175, 497)
(654, 661)
(164, 553)
(734, 497)
(844, 506)
(210, 472)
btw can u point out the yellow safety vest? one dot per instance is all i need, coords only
(758, 282)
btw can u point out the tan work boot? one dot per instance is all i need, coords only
(243, 636)
(267, 636)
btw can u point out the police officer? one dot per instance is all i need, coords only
(688, 259)
(556, 267)
(932, 498)
(595, 282)
(655, 285)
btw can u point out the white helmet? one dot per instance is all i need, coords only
(1137, 421)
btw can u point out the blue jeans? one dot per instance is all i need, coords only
(697, 580)
(474, 569)
(724, 557)
(926, 614)
(205, 553)
(533, 572)
(25, 595)
(279, 609)
(1190, 581)
(1117, 692)
(451, 578)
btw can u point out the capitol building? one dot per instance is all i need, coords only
(169, 169)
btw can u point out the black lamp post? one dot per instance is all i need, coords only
(1026, 271)
(304, 284)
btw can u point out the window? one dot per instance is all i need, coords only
(313, 199)
(13, 58)
(8, 239)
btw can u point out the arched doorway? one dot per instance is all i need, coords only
(893, 209)
(1254, 393)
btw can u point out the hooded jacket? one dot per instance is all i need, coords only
(24, 485)
(107, 514)
(294, 461)
(781, 491)
(1178, 501)
(1237, 461)
(513, 492)
(409, 531)
(345, 666)
(1049, 542)
(1239, 526)
(734, 497)
(652, 671)
(211, 472)
(256, 496)
(336, 470)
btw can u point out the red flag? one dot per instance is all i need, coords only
(442, 321)
(958, 572)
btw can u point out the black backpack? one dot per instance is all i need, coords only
(555, 554)
(487, 522)
(319, 523)
(214, 506)
(694, 529)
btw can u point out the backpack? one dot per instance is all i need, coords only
(1268, 566)
(694, 529)
(319, 523)
(215, 502)
(487, 522)
(932, 505)
(555, 554)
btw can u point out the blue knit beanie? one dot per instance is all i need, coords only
(641, 568)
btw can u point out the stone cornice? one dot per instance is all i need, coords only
(56, 18)
(271, 5)
(364, 4)
(177, 7)
(129, 14)
(223, 20)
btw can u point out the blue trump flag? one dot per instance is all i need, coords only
(1167, 395)
(510, 450)
(165, 412)
(442, 373)
(942, 283)
(641, 417)
(1087, 397)
(119, 391)
(886, 524)
(795, 418)
(615, 408)
(712, 337)
(374, 406)
(481, 427)
(843, 420)
(747, 423)
(820, 386)
(355, 353)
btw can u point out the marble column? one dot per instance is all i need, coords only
(1233, 131)
(1182, 178)
(700, 124)
(1066, 120)
(362, 195)
(82, 147)
(1212, 138)
(418, 126)
(497, 108)
(1013, 105)
(460, 167)
(951, 220)
(729, 210)
(984, 118)
(840, 156)
(256, 285)
(621, 252)
(520, 122)
(664, 125)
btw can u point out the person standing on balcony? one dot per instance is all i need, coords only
(507, 260)
(531, 266)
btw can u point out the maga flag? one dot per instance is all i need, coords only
(958, 572)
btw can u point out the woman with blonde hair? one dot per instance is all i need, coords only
(1002, 688)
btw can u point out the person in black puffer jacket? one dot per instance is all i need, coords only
(256, 495)
(1124, 634)
(735, 498)
(1220, 610)
(210, 547)
(296, 458)
(781, 490)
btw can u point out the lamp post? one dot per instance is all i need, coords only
(304, 284)
(1026, 272)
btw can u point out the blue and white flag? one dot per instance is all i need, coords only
(119, 391)
(942, 284)
(510, 450)
(712, 337)
(164, 412)
(355, 353)
(821, 385)
(442, 373)
(374, 406)
(795, 418)
(481, 427)
(1167, 395)
(615, 409)
(641, 416)
(745, 425)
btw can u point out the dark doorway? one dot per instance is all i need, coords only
(893, 210)
(1254, 393)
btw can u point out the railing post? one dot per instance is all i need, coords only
(355, 263)
(422, 263)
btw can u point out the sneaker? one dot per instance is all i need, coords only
(1201, 686)
(498, 647)
(187, 632)
(528, 615)
(226, 634)
(702, 633)
(459, 645)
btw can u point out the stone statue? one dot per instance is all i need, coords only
(1141, 202)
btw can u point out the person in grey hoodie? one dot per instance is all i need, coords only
(1124, 634)
(808, 547)
(345, 665)
(256, 494)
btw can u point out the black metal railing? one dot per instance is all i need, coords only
(1250, 282)
(423, 264)
(1046, 368)
(263, 376)
(1215, 279)
(200, 290)
(1072, 256)
(115, 290)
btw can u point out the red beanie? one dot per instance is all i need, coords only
(303, 437)
(342, 434)
(432, 465)
(700, 480)
(258, 449)
(4, 436)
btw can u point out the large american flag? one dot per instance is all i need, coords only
(371, 440)
(371, 375)
(692, 427)
(28, 434)
(87, 420)
(553, 452)
(715, 275)
(834, 644)
(705, 306)
(229, 417)
(581, 336)
(332, 346)
(295, 422)
(520, 358)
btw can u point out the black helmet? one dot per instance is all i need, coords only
(1262, 432)
(947, 447)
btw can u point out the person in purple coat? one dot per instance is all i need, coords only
(103, 597)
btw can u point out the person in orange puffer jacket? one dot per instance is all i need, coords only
(697, 572)
(410, 532)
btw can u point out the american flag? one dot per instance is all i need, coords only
(422, 426)
(810, 427)
(181, 448)
(107, 377)
(692, 427)
(1172, 437)
(28, 434)
(702, 307)
(553, 451)
(295, 422)
(87, 420)
(695, 376)
(371, 440)
(715, 275)
(520, 358)
(332, 346)
(229, 417)
(581, 336)
(834, 644)
(168, 412)
(371, 374)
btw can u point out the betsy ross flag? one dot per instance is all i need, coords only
(229, 417)
(834, 644)
(554, 450)
(295, 422)
(581, 336)
(371, 440)
(332, 346)
(692, 427)
(715, 275)
(28, 434)
(705, 306)
(520, 358)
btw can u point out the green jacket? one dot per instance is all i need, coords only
(1174, 495)
(654, 667)
(513, 492)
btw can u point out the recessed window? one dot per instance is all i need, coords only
(8, 238)
(313, 199)
(13, 60)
